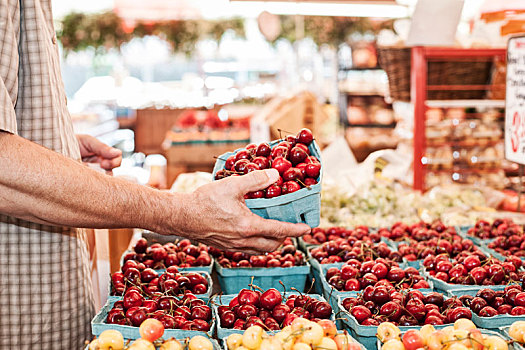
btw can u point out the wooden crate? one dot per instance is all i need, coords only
(151, 126)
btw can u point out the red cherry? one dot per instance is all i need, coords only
(281, 164)
(297, 155)
(293, 174)
(313, 170)
(304, 136)
(270, 299)
(290, 187)
(241, 164)
(263, 150)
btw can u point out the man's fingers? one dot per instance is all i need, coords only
(254, 181)
(101, 149)
(109, 164)
(277, 229)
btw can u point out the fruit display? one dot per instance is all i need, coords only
(148, 282)
(186, 313)
(356, 276)
(181, 254)
(404, 308)
(463, 335)
(341, 250)
(270, 310)
(453, 246)
(511, 246)
(151, 331)
(473, 269)
(375, 203)
(321, 235)
(290, 156)
(505, 228)
(420, 231)
(517, 332)
(489, 303)
(301, 334)
(286, 256)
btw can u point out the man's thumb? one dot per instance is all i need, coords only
(256, 180)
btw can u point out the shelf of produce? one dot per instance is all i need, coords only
(420, 87)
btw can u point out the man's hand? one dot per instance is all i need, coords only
(215, 214)
(94, 151)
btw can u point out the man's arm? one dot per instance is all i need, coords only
(39, 185)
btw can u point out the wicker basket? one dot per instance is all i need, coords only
(396, 62)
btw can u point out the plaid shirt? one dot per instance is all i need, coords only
(45, 287)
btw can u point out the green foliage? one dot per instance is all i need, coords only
(103, 31)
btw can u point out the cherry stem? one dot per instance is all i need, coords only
(302, 183)
(284, 287)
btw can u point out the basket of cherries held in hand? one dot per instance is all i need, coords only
(296, 196)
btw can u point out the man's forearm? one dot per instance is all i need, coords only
(39, 185)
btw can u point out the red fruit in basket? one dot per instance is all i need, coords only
(477, 304)
(280, 311)
(504, 309)
(352, 285)
(203, 259)
(458, 271)
(309, 181)
(230, 162)
(239, 324)
(479, 274)
(116, 316)
(129, 264)
(488, 294)
(270, 299)
(380, 295)
(227, 319)
(322, 310)
(148, 275)
(138, 317)
(396, 274)
(347, 272)
(496, 273)
(242, 154)
(433, 320)
(280, 151)
(313, 170)
(392, 310)
(305, 136)
(444, 266)
(518, 311)
(290, 187)
(281, 165)
(261, 162)
(200, 289)
(434, 298)
(442, 276)
(240, 165)
(132, 298)
(471, 262)
(289, 319)
(263, 150)
(201, 312)
(297, 155)
(271, 324)
(247, 296)
(360, 313)
(273, 263)
(519, 300)
(416, 308)
(380, 270)
(455, 314)
(488, 311)
(273, 191)
(141, 246)
(293, 174)
(117, 278)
